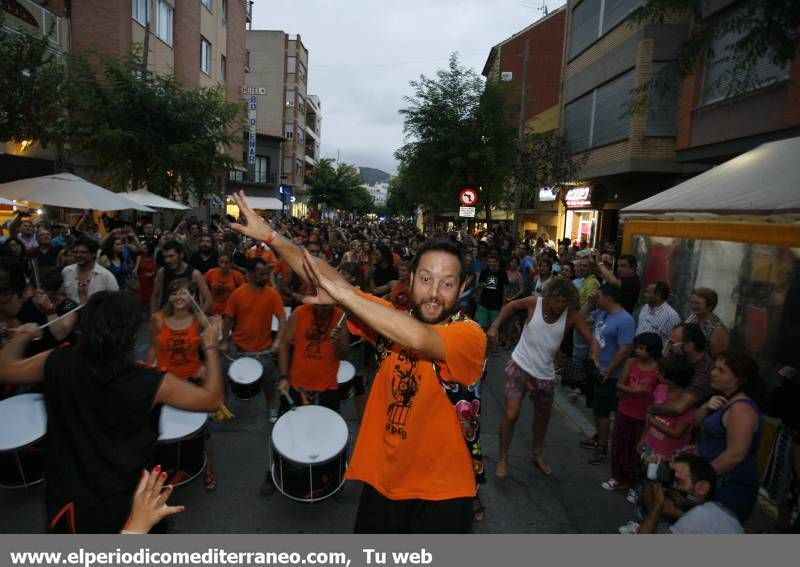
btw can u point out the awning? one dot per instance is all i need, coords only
(145, 197)
(263, 203)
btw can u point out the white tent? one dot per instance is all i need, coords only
(762, 182)
(263, 203)
(148, 199)
(70, 191)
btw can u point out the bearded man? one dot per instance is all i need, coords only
(410, 453)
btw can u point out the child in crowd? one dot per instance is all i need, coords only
(637, 382)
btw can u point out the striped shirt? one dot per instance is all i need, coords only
(660, 320)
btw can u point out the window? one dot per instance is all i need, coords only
(290, 97)
(205, 56)
(291, 64)
(301, 137)
(287, 166)
(164, 22)
(720, 81)
(662, 105)
(298, 168)
(235, 174)
(289, 131)
(591, 19)
(261, 171)
(208, 4)
(223, 68)
(301, 72)
(301, 105)
(139, 11)
(599, 117)
(224, 10)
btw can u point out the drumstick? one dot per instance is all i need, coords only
(62, 316)
(341, 320)
(289, 399)
(35, 269)
(197, 308)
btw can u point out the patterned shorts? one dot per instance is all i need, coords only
(518, 382)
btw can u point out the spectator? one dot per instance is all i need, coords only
(206, 256)
(690, 497)
(689, 341)
(732, 425)
(636, 384)
(626, 279)
(85, 278)
(545, 272)
(614, 330)
(491, 293)
(116, 258)
(657, 316)
(146, 269)
(567, 270)
(703, 301)
(46, 254)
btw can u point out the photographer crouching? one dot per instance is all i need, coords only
(683, 491)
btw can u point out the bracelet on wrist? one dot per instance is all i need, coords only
(268, 240)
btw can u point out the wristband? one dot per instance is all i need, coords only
(271, 237)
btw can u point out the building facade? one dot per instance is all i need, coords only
(627, 153)
(544, 38)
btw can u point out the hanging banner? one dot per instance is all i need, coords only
(252, 113)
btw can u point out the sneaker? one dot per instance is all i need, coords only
(629, 528)
(599, 456)
(267, 487)
(632, 497)
(590, 443)
(612, 484)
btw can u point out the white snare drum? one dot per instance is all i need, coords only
(344, 377)
(309, 453)
(245, 374)
(181, 449)
(22, 440)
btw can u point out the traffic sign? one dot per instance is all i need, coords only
(466, 212)
(468, 197)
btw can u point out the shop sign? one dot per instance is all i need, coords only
(579, 197)
(468, 212)
(254, 90)
(547, 194)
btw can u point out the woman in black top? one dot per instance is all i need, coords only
(384, 272)
(103, 410)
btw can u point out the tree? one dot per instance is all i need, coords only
(545, 160)
(144, 129)
(31, 89)
(761, 29)
(339, 187)
(399, 201)
(458, 135)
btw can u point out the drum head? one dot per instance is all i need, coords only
(245, 370)
(24, 421)
(310, 434)
(346, 372)
(176, 424)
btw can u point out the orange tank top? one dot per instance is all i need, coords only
(314, 361)
(178, 350)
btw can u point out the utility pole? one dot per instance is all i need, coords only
(521, 134)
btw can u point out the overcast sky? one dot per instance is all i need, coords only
(363, 53)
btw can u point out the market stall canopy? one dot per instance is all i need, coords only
(762, 182)
(10, 203)
(148, 199)
(263, 203)
(70, 191)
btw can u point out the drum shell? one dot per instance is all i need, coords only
(246, 391)
(32, 461)
(184, 459)
(308, 482)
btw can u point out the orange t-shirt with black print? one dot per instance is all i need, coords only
(178, 350)
(221, 286)
(252, 312)
(314, 361)
(410, 443)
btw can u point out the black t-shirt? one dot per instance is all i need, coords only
(631, 286)
(101, 433)
(31, 314)
(47, 259)
(382, 276)
(197, 262)
(494, 284)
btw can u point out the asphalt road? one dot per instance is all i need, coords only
(571, 501)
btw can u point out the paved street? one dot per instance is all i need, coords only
(527, 502)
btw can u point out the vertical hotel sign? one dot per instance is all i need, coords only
(252, 94)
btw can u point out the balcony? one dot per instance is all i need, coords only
(249, 10)
(244, 177)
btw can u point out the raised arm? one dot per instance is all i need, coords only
(526, 303)
(14, 368)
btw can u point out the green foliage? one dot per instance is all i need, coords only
(399, 202)
(765, 29)
(459, 134)
(339, 187)
(31, 88)
(544, 160)
(143, 129)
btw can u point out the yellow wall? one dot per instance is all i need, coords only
(732, 231)
(546, 120)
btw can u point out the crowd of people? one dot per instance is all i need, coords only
(418, 314)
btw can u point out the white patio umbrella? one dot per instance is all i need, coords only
(263, 203)
(70, 191)
(148, 199)
(11, 203)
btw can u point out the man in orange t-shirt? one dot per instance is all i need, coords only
(318, 348)
(221, 281)
(248, 314)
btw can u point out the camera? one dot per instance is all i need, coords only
(661, 472)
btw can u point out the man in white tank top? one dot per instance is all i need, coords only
(531, 368)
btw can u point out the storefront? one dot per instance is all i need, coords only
(582, 220)
(547, 217)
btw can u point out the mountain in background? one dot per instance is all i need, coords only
(371, 176)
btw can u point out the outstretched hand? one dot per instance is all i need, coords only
(327, 289)
(150, 502)
(256, 227)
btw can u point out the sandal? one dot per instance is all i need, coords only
(478, 511)
(211, 482)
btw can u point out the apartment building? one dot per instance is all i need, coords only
(541, 212)
(714, 125)
(626, 155)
